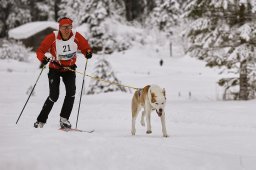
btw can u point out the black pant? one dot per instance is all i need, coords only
(69, 79)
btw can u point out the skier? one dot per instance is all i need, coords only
(63, 46)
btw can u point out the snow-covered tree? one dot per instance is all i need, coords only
(5, 7)
(43, 10)
(16, 12)
(165, 15)
(222, 32)
(105, 79)
(102, 15)
(14, 50)
(13, 13)
(75, 9)
(138, 9)
(99, 14)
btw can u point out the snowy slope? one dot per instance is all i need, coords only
(205, 133)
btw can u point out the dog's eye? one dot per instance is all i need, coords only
(163, 103)
(157, 103)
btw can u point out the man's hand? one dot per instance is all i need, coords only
(44, 62)
(88, 54)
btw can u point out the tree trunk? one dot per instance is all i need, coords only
(5, 13)
(33, 11)
(128, 6)
(56, 9)
(134, 9)
(243, 93)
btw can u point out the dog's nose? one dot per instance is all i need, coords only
(160, 110)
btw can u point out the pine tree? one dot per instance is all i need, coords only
(103, 71)
(99, 14)
(77, 10)
(42, 10)
(165, 15)
(222, 34)
(5, 9)
(103, 13)
(13, 13)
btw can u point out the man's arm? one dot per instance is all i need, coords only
(45, 46)
(83, 44)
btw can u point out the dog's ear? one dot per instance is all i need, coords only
(164, 92)
(153, 97)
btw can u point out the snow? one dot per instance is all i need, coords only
(83, 29)
(205, 132)
(200, 24)
(31, 28)
(245, 32)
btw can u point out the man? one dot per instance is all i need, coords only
(62, 45)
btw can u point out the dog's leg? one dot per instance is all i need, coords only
(135, 111)
(148, 117)
(163, 125)
(142, 122)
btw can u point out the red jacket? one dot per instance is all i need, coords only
(49, 45)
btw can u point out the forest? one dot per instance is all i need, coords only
(220, 32)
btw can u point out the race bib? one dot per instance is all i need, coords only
(66, 50)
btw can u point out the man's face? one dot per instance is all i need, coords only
(65, 30)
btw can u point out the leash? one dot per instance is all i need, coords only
(95, 77)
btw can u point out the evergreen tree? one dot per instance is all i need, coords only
(13, 13)
(138, 9)
(42, 10)
(222, 33)
(74, 9)
(102, 14)
(17, 12)
(103, 71)
(5, 9)
(165, 15)
(99, 14)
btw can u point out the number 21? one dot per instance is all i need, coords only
(66, 48)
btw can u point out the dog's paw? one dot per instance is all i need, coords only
(149, 131)
(133, 132)
(165, 135)
(142, 123)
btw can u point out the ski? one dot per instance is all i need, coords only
(76, 130)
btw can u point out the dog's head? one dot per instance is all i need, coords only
(157, 99)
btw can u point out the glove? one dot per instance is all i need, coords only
(88, 54)
(45, 60)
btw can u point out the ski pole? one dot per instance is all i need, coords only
(81, 92)
(30, 94)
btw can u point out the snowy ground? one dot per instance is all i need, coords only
(205, 132)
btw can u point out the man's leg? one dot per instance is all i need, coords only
(54, 83)
(69, 79)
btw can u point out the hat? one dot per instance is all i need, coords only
(65, 20)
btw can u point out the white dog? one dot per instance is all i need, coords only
(151, 97)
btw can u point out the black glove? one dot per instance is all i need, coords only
(73, 67)
(88, 54)
(45, 60)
